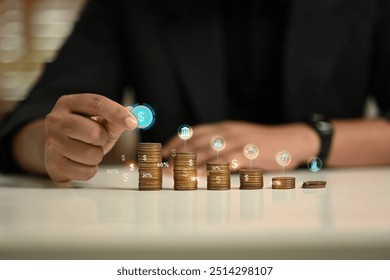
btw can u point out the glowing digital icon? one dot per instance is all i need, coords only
(144, 114)
(218, 143)
(251, 151)
(314, 164)
(283, 158)
(185, 132)
(234, 163)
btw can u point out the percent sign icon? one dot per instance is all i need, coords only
(163, 164)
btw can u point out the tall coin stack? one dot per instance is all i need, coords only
(218, 176)
(283, 183)
(184, 171)
(149, 163)
(251, 179)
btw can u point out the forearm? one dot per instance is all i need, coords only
(28, 147)
(360, 143)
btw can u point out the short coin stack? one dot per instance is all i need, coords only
(251, 179)
(149, 163)
(218, 176)
(184, 171)
(314, 184)
(283, 183)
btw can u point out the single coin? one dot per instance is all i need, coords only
(314, 184)
(144, 114)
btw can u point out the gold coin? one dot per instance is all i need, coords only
(185, 171)
(218, 176)
(283, 182)
(251, 179)
(149, 168)
(314, 184)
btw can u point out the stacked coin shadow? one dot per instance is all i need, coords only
(251, 179)
(283, 183)
(218, 176)
(184, 171)
(149, 163)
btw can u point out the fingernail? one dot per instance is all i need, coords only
(131, 121)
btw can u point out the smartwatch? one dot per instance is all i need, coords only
(324, 129)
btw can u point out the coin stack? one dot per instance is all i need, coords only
(218, 176)
(314, 184)
(251, 179)
(149, 163)
(283, 183)
(184, 171)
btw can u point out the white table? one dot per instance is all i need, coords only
(107, 218)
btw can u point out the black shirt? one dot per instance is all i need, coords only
(255, 32)
(334, 54)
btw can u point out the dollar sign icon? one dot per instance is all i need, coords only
(190, 163)
(125, 177)
(234, 163)
(132, 167)
(141, 116)
(123, 157)
(218, 179)
(185, 173)
(246, 177)
(173, 152)
(145, 158)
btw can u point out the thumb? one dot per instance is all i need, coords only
(99, 105)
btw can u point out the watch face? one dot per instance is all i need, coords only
(324, 127)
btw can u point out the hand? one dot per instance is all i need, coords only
(298, 139)
(80, 130)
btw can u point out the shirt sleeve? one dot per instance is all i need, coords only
(89, 61)
(381, 55)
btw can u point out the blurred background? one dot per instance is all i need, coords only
(31, 31)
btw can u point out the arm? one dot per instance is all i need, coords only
(71, 142)
(360, 143)
(90, 61)
(355, 143)
(28, 147)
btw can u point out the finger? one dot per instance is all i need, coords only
(203, 139)
(201, 136)
(227, 155)
(174, 143)
(193, 145)
(204, 156)
(208, 129)
(74, 171)
(85, 129)
(98, 105)
(81, 152)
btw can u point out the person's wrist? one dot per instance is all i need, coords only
(28, 147)
(307, 141)
(324, 129)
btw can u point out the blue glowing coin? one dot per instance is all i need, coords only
(144, 114)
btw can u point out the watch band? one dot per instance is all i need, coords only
(324, 129)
